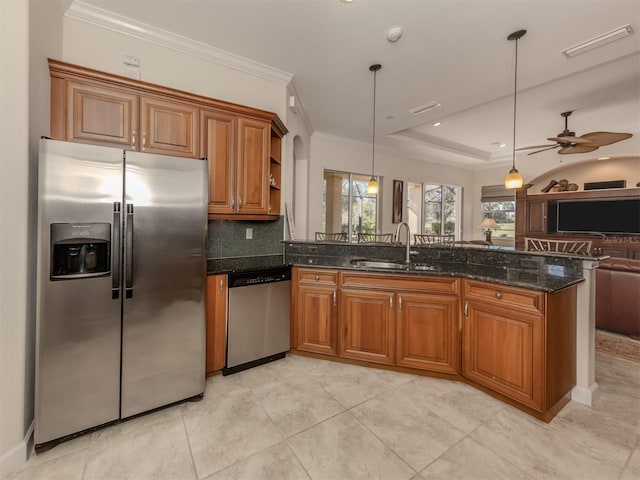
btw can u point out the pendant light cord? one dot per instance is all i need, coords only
(515, 102)
(373, 140)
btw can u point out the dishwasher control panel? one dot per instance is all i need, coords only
(259, 277)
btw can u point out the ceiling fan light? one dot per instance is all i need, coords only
(513, 179)
(372, 186)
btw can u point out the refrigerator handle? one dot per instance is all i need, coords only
(128, 273)
(115, 257)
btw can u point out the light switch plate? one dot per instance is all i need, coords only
(249, 233)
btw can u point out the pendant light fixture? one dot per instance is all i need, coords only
(513, 178)
(372, 186)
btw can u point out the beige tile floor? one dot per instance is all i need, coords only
(301, 418)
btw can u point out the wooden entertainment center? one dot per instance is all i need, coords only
(532, 215)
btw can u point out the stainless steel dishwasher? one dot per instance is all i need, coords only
(258, 323)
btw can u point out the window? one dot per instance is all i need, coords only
(433, 209)
(346, 205)
(499, 204)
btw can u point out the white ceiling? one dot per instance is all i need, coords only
(453, 51)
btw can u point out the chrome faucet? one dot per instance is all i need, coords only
(407, 258)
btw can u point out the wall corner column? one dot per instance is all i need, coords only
(586, 388)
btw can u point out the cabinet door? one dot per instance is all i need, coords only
(216, 322)
(367, 327)
(169, 127)
(253, 166)
(427, 329)
(101, 116)
(316, 321)
(503, 350)
(217, 144)
(537, 217)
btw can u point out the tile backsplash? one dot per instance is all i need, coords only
(227, 238)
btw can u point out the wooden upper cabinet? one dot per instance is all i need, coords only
(243, 144)
(253, 166)
(218, 144)
(169, 127)
(99, 115)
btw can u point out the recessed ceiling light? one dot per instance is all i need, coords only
(424, 108)
(604, 158)
(347, 1)
(499, 144)
(599, 41)
(437, 124)
(502, 145)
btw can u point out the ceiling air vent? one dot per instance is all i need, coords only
(424, 108)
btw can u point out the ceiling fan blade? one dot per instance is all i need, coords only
(605, 138)
(577, 149)
(548, 148)
(569, 139)
(534, 146)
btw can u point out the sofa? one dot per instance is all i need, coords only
(618, 296)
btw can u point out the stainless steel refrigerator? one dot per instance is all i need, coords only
(121, 275)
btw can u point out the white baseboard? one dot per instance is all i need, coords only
(16, 456)
(586, 396)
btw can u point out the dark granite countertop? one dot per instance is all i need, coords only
(533, 280)
(546, 273)
(243, 264)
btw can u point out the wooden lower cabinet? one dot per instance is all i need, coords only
(216, 307)
(367, 325)
(428, 332)
(503, 350)
(314, 311)
(520, 343)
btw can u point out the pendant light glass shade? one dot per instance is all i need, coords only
(372, 186)
(513, 178)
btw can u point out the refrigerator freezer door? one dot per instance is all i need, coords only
(163, 340)
(78, 322)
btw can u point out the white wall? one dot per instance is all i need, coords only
(30, 30)
(167, 67)
(14, 178)
(334, 153)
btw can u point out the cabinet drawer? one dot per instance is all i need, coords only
(415, 283)
(500, 295)
(317, 277)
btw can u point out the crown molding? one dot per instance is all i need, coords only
(442, 144)
(392, 150)
(99, 17)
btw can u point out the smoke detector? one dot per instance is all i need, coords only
(394, 34)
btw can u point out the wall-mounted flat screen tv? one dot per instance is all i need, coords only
(616, 215)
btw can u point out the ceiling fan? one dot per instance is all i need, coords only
(568, 143)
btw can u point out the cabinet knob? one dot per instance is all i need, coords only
(317, 277)
(133, 140)
(144, 140)
(498, 295)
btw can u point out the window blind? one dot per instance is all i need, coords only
(497, 193)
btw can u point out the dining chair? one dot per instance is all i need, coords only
(375, 238)
(332, 237)
(430, 239)
(580, 247)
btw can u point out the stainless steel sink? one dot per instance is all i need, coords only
(423, 267)
(380, 264)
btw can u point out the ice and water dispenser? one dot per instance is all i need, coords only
(80, 250)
